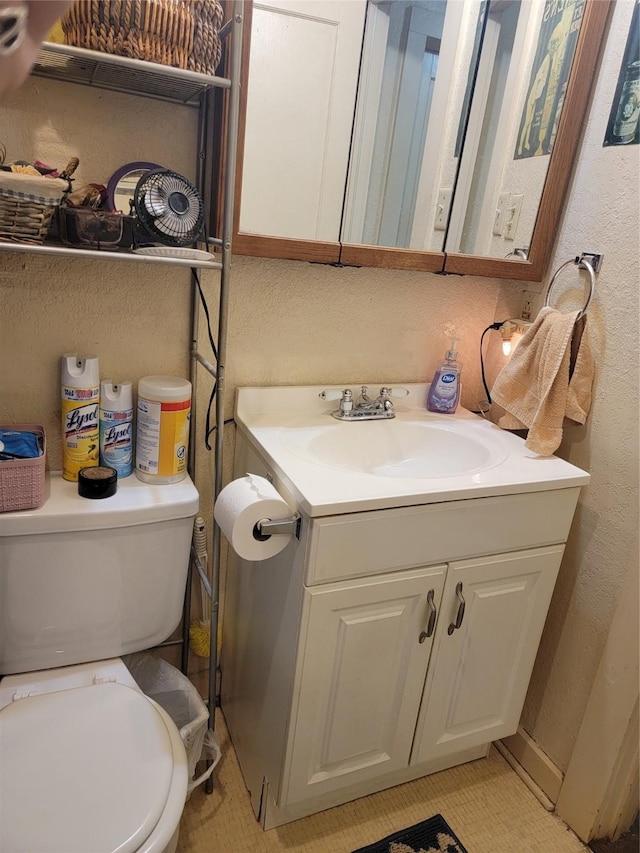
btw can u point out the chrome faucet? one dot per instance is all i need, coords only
(364, 408)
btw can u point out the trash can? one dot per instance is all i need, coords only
(173, 691)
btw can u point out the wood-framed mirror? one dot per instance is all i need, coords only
(295, 42)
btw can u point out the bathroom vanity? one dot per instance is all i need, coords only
(396, 635)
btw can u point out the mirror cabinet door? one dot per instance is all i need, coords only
(299, 81)
(433, 135)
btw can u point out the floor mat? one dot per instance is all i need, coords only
(429, 836)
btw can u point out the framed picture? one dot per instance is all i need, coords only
(624, 118)
(557, 40)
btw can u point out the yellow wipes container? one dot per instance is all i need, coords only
(80, 401)
(162, 433)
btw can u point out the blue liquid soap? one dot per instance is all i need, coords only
(444, 393)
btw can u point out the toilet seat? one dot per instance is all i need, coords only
(51, 745)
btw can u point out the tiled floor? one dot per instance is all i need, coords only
(484, 802)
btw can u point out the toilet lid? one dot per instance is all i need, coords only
(86, 770)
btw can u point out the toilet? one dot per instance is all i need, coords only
(88, 762)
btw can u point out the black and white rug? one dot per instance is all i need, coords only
(429, 836)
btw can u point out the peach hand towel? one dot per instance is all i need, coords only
(535, 387)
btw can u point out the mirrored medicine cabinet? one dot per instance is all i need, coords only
(434, 135)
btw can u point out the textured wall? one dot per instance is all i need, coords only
(601, 215)
(294, 323)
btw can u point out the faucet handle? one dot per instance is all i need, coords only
(345, 397)
(396, 391)
(334, 394)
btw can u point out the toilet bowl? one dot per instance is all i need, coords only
(88, 762)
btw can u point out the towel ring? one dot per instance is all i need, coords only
(581, 263)
(521, 254)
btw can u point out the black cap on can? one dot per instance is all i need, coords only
(97, 481)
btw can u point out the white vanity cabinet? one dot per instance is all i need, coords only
(364, 651)
(362, 656)
(373, 696)
(478, 678)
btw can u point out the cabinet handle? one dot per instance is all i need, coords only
(431, 624)
(460, 613)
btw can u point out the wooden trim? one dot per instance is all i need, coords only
(261, 246)
(389, 258)
(513, 268)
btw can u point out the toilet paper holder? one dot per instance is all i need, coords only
(267, 527)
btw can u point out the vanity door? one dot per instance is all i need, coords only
(365, 648)
(492, 615)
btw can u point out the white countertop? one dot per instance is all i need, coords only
(272, 419)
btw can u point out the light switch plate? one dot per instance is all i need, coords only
(513, 217)
(501, 214)
(442, 209)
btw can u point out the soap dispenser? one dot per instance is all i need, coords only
(444, 392)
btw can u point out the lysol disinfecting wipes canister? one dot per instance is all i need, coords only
(116, 426)
(162, 432)
(80, 396)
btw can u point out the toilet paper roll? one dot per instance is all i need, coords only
(240, 506)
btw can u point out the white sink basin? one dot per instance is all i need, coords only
(394, 448)
(328, 467)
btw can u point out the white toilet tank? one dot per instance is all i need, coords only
(84, 580)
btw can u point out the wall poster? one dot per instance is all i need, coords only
(557, 39)
(623, 127)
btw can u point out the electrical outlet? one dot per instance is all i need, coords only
(501, 213)
(511, 224)
(442, 209)
(530, 305)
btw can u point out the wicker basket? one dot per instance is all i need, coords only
(182, 33)
(27, 204)
(22, 481)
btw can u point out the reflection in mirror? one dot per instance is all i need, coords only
(457, 107)
(123, 196)
(396, 120)
(122, 184)
(303, 73)
(387, 132)
(518, 95)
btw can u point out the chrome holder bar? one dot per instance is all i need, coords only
(594, 258)
(267, 527)
(588, 261)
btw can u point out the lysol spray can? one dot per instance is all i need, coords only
(80, 397)
(162, 430)
(116, 426)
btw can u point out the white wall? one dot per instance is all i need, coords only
(293, 322)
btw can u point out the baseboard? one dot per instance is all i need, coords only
(535, 763)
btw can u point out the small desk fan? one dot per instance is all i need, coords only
(169, 208)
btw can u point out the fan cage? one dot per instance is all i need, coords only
(169, 208)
